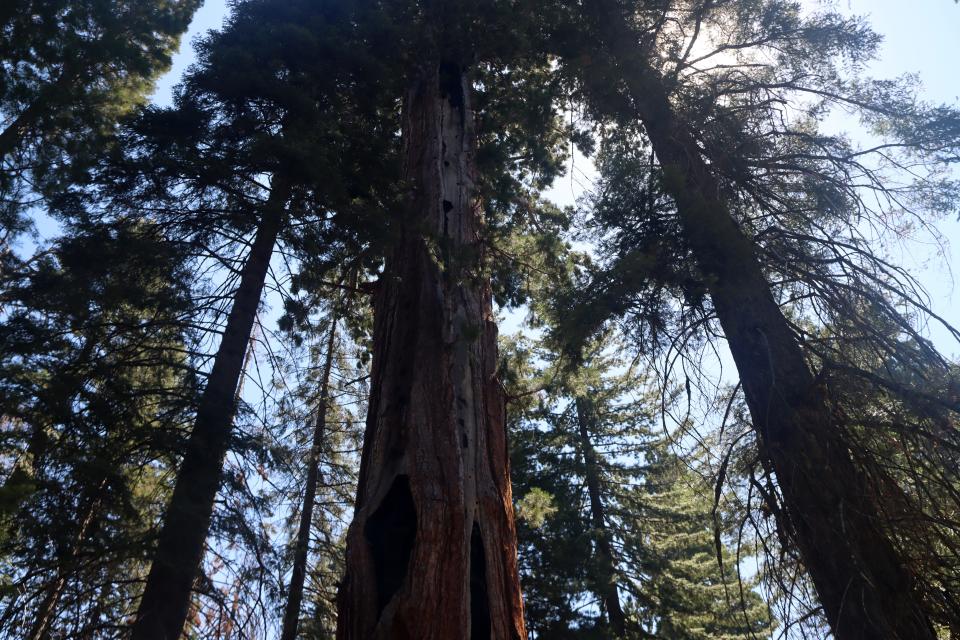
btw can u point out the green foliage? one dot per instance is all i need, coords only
(94, 389)
(104, 332)
(69, 71)
(600, 422)
(752, 84)
(342, 439)
(535, 507)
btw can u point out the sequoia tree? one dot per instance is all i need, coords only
(433, 537)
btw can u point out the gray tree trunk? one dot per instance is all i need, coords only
(606, 588)
(291, 615)
(866, 590)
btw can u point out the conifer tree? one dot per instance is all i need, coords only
(291, 615)
(95, 386)
(325, 455)
(336, 338)
(433, 535)
(624, 547)
(69, 70)
(245, 155)
(407, 143)
(745, 189)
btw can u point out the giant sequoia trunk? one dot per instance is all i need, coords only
(176, 562)
(606, 586)
(865, 588)
(431, 553)
(291, 614)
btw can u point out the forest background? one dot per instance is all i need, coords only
(921, 39)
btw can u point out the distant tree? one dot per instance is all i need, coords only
(627, 546)
(95, 387)
(331, 324)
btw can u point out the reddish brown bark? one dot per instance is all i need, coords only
(865, 588)
(431, 553)
(176, 562)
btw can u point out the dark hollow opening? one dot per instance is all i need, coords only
(479, 597)
(391, 532)
(451, 85)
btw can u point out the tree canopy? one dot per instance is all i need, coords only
(252, 385)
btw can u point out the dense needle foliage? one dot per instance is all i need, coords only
(185, 361)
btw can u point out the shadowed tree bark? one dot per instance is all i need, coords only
(176, 562)
(865, 589)
(431, 553)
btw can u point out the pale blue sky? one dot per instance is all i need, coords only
(923, 37)
(209, 16)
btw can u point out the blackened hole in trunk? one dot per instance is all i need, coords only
(390, 532)
(479, 602)
(451, 85)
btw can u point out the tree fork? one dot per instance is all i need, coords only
(431, 553)
(865, 589)
(291, 616)
(166, 599)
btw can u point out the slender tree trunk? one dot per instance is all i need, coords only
(431, 553)
(45, 612)
(176, 562)
(865, 589)
(291, 616)
(607, 586)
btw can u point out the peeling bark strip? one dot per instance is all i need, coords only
(864, 586)
(176, 562)
(431, 553)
